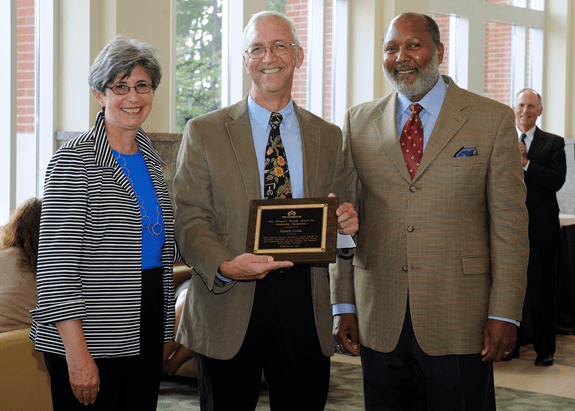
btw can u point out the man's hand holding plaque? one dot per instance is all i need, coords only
(248, 266)
(299, 230)
(347, 222)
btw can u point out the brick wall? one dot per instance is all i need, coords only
(498, 42)
(442, 21)
(497, 77)
(25, 70)
(297, 10)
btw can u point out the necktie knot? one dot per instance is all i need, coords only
(523, 137)
(415, 108)
(275, 120)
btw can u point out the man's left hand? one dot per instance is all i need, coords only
(347, 222)
(499, 338)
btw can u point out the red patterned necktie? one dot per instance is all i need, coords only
(276, 174)
(411, 140)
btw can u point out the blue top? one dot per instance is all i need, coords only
(153, 233)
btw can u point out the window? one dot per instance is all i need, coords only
(208, 51)
(28, 104)
(511, 56)
(198, 59)
(531, 4)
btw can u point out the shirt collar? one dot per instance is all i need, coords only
(431, 102)
(262, 115)
(529, 133)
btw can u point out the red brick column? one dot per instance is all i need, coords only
(26, 66)
(297, 11)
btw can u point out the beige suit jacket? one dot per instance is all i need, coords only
(217, 176)
(454, 239)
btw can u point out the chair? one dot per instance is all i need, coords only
(24, 380)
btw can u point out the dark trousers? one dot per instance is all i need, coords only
(126, 383)
(282, 340)
(541, 292)
(407, 379)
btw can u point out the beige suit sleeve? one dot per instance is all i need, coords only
(509, 242)
(341, 273)
(195, 231)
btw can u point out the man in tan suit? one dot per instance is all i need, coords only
(246, 312)
(438, 277)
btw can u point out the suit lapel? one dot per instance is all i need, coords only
(310, 143)
(451, 119)
(386, 126)
(536, 145)
(242, 141)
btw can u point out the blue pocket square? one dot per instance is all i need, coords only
(466, 152)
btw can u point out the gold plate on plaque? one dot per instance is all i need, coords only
(302, 230)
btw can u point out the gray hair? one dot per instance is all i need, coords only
(263, 14)
(122, 55)
(533, 91)
(431, 27)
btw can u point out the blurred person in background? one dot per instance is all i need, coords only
(18, 254)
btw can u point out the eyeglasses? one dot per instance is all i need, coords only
(279, 48)
(121, 89)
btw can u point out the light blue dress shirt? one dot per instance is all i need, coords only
(291, 139)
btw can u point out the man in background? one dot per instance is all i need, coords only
(545, 168)
(438, 276)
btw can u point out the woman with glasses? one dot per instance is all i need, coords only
(105, 283)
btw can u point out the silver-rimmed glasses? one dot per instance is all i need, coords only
(279, 48)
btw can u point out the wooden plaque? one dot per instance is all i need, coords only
(301, 230)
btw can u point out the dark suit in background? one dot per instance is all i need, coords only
(543, 157)
(543, 178)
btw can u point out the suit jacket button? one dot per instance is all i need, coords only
(410, 229)
(404, 268)
(412, 189)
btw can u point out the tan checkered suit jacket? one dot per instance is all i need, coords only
(217, 176)
(454, 238)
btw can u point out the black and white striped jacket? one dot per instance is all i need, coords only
(89, 257)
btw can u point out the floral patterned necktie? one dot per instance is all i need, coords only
(276, 175)
(411, 140)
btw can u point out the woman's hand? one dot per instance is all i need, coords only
(84, 374)
(84, 377)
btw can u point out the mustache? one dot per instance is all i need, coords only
(395, 71)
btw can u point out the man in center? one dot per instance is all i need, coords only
(247, 312)
(439, 273)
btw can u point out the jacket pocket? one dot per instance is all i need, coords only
(360, 259)
(476, 265)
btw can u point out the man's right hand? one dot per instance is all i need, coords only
(251, 267)
(346, 334)
(523, 150)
